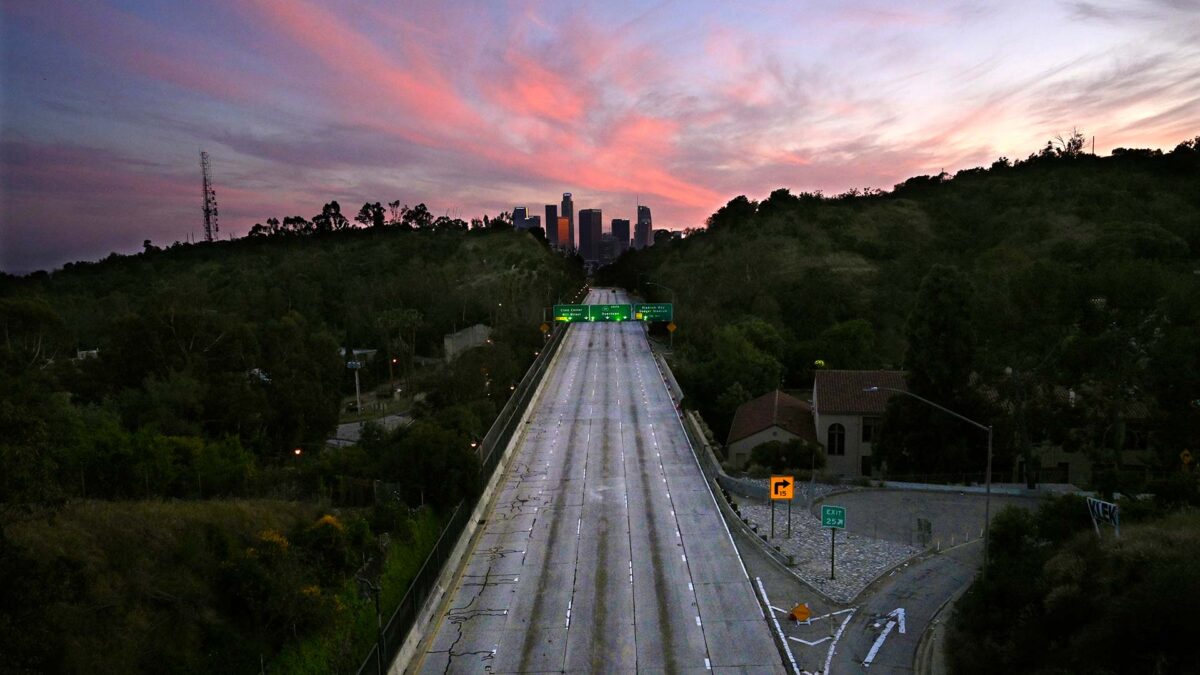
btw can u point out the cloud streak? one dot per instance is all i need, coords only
(474, 108)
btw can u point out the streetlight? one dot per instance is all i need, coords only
(987, 502)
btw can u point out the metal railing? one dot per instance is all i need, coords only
(490, 452)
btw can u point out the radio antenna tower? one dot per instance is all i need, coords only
(210, 200)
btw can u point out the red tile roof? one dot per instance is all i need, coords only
(774, 409)
(840, 392)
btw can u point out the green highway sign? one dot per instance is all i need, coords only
(662, 311)
(571, 313)
(610, 312)
(833, 516)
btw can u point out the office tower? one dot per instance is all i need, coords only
(644, 235)
(608, 248)
(564, 231)
(568, 211)
(620, 233)
(532, 222)
(590, 227)
(552, 224)
(519, 216)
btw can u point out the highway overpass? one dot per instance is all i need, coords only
(603, 549)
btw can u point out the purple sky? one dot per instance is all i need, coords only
(476, 108)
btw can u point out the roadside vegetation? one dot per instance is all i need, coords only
(1056, 297)
(1059, 599)
(167, 500)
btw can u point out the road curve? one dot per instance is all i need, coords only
(603, 549)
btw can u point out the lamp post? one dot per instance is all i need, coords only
(672, 292)
(987, 502)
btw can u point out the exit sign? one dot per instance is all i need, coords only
(833, 516)
(663, 311)
(571, 313)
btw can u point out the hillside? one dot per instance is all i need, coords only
(236, 346)
(167, 502)
(1059, 599)
(1079, 272)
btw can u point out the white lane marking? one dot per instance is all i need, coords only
(778, 609)
(706, 665)
(833, 645)
(684, 556)
(697, 621)
(690, 587)
(878, 643)
(786, 647)
(813, 643)
(826, 616)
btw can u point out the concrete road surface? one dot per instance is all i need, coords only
(604, 550)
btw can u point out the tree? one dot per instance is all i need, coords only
(796, 454)
(330, 219)
(418, 217)
(370, 215)
(916, 438)
(395, 210)
(941, 335)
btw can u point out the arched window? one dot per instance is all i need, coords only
(837, 439)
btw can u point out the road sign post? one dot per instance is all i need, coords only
(834, 518)
(781, 489)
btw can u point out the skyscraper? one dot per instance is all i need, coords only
(519, 216)
(620, 232)
(563, 231)
(644, 235)
(590, 227)
(552, 224)
(568, 212)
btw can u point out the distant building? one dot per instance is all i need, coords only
(532, 222)
(590, 228)
(564, 232)
(608, 248)
(848, 418)
(454, 344)
(771, 417)
(568, 211)
(643, 236)
(552, 224)
(520, 215)
(620, 233)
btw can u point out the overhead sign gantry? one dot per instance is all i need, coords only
(640, 312)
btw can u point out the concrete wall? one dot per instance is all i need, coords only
(456, 343)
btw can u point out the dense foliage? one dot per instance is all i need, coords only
(1058, 599)
(215, 371)
(214, 361)
(187, 587)
(1057, 298)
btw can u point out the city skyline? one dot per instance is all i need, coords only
(107, 104)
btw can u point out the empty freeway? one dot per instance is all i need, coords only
(603, 549)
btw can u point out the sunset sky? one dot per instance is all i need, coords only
(474, 108)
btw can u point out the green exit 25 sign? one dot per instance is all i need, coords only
(833, 516)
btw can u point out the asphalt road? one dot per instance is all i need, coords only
(603, 550)
(920, 590)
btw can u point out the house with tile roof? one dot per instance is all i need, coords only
(847, 418)
(775, 416)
